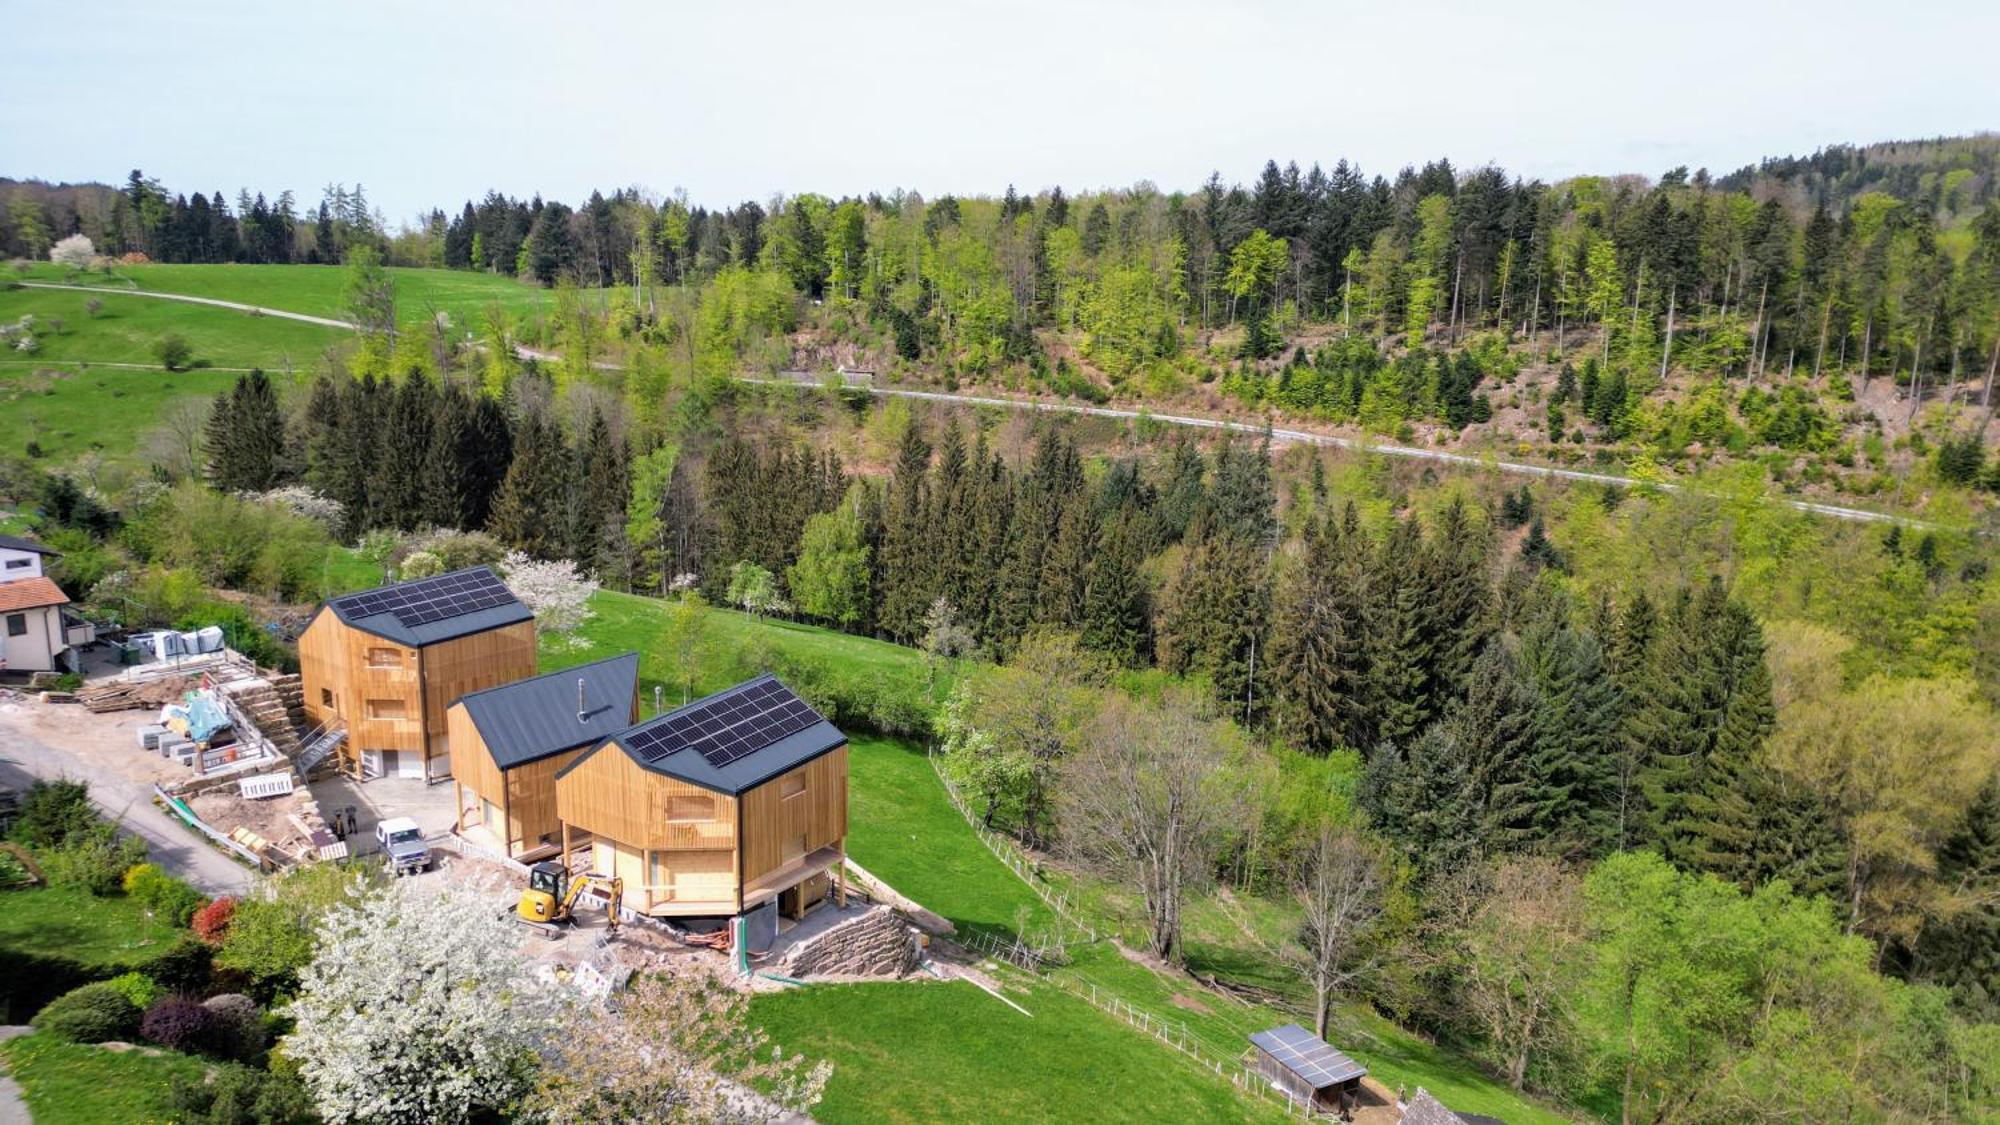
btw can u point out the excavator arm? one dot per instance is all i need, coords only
(612, 887)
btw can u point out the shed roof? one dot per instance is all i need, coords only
(531, 719)
(16, 543)
(1307, 1055)
(729, 742)
(31, 593)
(1424, 1109)
(426, 611)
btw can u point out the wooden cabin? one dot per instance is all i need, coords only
(1307, 1068)
(716, 808)
(508, 742)
(386, 663)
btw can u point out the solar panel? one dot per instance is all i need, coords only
(725, 729)
(431, 599)
(1309, 1057)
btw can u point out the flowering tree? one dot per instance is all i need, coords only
(654, 1053)
(76, 252)
(418, 1006)
(303, 501)
(558, 595)
(753, 587)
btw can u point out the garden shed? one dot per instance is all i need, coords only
(1307, 1068)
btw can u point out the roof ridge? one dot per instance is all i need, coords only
(632, 655)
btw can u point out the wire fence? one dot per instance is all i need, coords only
(1175, 1034)
(1007, 852)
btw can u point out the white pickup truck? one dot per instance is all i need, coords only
(403, 844)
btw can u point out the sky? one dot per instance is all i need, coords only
(431, 103)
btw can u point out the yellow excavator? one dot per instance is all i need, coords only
(550, 897)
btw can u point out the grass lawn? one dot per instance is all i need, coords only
(948, 1052)
(126, 330)
(905, 832)
(319, 290)
(627, 622)
(73, 923)
(78, 1083)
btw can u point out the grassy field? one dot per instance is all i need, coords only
(319, 290)
(127, 328)
(948, 1052)
(79, 1084)
(71, 922)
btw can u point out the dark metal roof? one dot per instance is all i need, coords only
(1308, 1056)
(531, 719)
(429, 610)
(16, 543)
(670, 744)
(1425, 1109)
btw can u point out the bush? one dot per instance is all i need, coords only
(238, 1095)
(168, 898)
(95, 1013)
(211, 922)
(53, 811)
(180, 1024)
(185, 967)
(174, 352)
(239, 1026)
(143, 991)
(95, 860)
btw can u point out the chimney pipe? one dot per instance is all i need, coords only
(581, 712)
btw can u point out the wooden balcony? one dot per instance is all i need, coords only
(786, 874)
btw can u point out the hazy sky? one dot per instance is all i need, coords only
(430, 103)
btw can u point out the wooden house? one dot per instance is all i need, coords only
(507, 743)
(1307, 1069)
(385, 664)
(716, 808)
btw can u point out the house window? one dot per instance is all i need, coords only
(387, 709)
(19, 564)
(384, 658)
(17, 624)
(792, 784)
(690, 810)
(326, 697)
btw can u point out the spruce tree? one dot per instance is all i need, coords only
(1961, 950)
(1401, 639)
(1115, 602)
(528, 512)
(1562, 786)
(352, 472)
(320, 439)
(1317, 636)
(489, 450)
(908, 572)
(246, 436)
(599, 539)
(441, 488)
(397, 487)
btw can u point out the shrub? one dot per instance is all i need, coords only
(239, 1025)
(53, 811)
(174, 352)
(211, 922)
(95, 1013)
(168, 898)
(95, 860)
(143, 991)
(238, 1095)
(183, 967)
(180, 1024)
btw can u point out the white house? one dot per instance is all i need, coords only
(36, 635)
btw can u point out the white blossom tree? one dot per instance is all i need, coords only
(418, 1006)
(554, 590)
(76, 252)
(656, 1053)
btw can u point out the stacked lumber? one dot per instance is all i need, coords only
(135, 694)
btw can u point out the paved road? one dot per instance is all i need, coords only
(303, 318)
(13, 1111)
(1306, 436)
(1437, 456)
(172, 844)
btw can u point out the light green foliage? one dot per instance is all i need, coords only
(1255, 266)
(830, 580)
(233, 542)
(271, 938)
(753, 588)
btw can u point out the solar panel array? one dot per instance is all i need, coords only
(1306, 1055)
(723, 730)
(430, 599)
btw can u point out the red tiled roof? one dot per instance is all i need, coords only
(30, 593)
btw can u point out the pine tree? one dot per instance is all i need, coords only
(599, 540)
(1401, 639)
(1066, 564)
(1455, 567)
(246, 436)
(908, 572)
(352, 471)
(1961, 951)
(488, 451)
(528, 512)
(1316, 662)
(319, 441)
(441, 489)
(1426, 800)
(397, 486)
(1115, 602)
(1566, 778)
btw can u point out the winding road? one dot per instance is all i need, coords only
(1436, 456)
